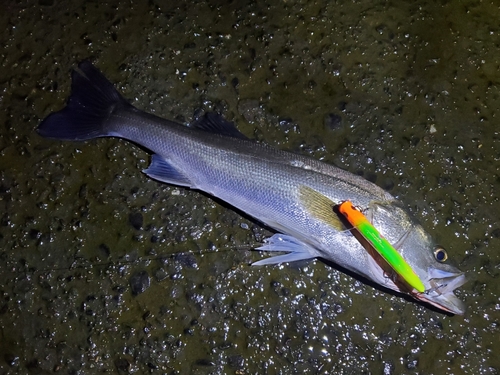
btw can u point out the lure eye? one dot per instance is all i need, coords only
(440, 254)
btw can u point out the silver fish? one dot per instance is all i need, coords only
(293, 194)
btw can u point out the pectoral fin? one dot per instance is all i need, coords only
(320, 206)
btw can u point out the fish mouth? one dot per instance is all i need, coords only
(440, 294)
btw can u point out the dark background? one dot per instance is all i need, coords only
(105, 270)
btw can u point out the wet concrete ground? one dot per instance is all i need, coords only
(105, 270)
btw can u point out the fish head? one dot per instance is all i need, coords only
(429, 261)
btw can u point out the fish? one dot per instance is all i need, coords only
(295, 195)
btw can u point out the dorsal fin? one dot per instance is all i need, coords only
(320, 206)
(214, 123)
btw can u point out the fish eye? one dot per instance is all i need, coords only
(440, 254)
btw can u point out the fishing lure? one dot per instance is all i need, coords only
(381, 245)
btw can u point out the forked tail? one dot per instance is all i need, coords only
(93, 98)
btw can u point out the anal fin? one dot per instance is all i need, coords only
(162, 170)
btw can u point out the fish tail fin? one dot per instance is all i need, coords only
(92, 100)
